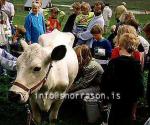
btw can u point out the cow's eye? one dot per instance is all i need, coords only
(37, 69)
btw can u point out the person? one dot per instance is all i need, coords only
(15, 47)
(5, 30)
(41, 11)
(143, 41)
(107, 14)
(83, 19)
(34, 25)
(101, 47)
(89, 74)
(97, 19)
(9, 9)
(112, 35)
(143, 47)
(116, 51)
(146, 30)
(53, 22)
(76, 7)
(122, 82)
(119, 10)
(7, 60)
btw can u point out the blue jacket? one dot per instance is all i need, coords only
(35, 26)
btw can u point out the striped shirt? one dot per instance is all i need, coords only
(91, 75)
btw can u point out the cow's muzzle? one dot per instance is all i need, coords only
(14, 97)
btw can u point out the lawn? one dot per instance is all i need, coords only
(131, 4)
(15, 114)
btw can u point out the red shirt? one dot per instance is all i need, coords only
(53, 24)
(115, 54)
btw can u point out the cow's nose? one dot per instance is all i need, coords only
(14, 97)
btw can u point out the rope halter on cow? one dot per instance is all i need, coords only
(41, 83)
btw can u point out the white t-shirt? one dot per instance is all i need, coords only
(144, 43)
(107, 13)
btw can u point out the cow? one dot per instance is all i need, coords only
(45, 68)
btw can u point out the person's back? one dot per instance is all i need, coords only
(125, 77)
(122, 82)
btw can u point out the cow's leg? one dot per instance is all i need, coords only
(35, 113)
(54, 112)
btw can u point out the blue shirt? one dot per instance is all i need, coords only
(35, 26)
(104, 45)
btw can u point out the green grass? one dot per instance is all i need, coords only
(136, 4)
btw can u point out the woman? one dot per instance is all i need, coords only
(89, 74)
(86, 83)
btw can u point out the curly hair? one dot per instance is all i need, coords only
(129, 42)
(124, 29)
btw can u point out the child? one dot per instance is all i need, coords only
(101, 47)
(53, 22)
(83, 19)
(124, 79)
(15, 47)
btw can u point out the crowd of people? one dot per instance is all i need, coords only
(115, 64)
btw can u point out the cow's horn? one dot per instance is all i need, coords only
(24, 44)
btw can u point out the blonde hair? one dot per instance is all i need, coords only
(86, 5)
(76, 5)
(35, 4)
(129, 42)
(126, 16)
(124, 29)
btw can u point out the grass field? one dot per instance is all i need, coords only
(15, 114)
(131, 4)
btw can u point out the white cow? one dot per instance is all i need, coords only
(45, 69)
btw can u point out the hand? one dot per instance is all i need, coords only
(29, 42)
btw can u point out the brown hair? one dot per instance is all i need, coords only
(147, 28)
(97, 29)
(21, 31)
(76, 5)
(129, 41)
(54, 9)
(84, 55)
(99, 3)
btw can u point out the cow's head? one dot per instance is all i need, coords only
(32, 67)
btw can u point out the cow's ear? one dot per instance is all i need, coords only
(24, 44)
(58, 53)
